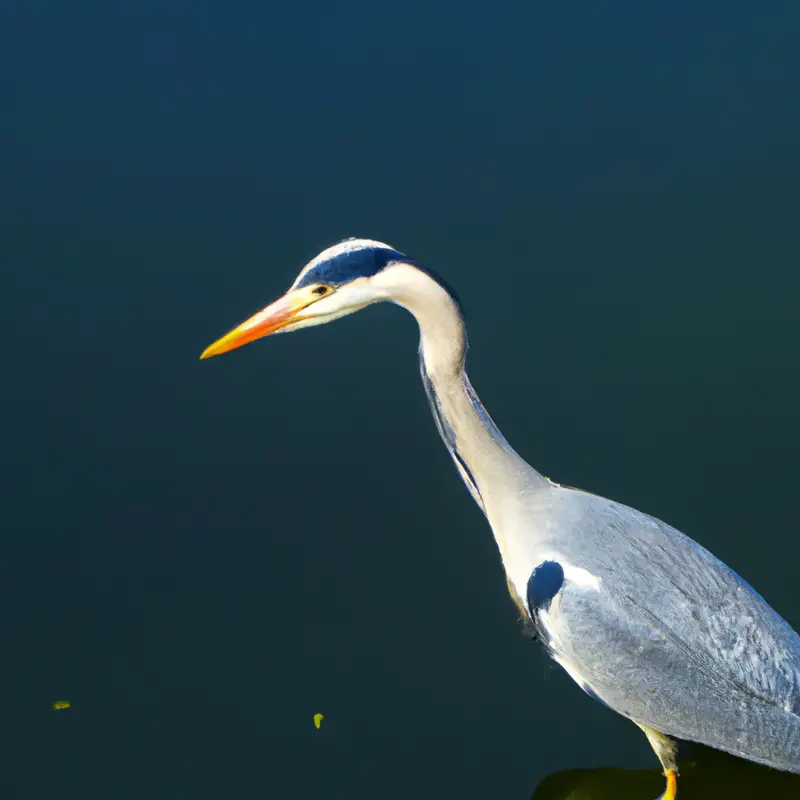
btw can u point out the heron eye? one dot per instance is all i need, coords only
(320, 290)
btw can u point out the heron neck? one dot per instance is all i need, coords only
(488, 464)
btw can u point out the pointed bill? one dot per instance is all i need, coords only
(270, 320)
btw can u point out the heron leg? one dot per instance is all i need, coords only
(666, 751)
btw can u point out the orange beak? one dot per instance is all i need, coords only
(272, 319)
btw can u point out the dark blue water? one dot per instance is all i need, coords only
(201, 556)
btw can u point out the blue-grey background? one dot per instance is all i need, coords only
(200, 556)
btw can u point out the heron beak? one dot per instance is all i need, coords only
(270, 320)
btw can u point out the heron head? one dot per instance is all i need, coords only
(342, 279)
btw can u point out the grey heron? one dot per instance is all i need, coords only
(640, 616)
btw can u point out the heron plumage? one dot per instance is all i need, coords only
(669, 636)
(639, 615)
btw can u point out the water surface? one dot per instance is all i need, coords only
(201, 556)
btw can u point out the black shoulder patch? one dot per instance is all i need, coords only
(543, 585)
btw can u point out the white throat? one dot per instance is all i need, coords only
(482, 455)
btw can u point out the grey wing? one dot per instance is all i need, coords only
(675, 640)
